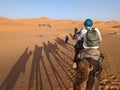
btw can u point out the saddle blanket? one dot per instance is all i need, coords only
(91, 53)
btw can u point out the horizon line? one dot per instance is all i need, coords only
(55, 19)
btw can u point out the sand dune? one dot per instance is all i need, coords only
(34, 56)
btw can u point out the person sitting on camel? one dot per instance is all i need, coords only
(87, 38)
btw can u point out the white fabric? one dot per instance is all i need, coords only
(83, 34)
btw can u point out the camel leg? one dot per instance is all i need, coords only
(97, 77)
(80, 80)
(80, 86)
(77, 80)
(96, 83)
(83, 85)
(93, 82)
(90, 81)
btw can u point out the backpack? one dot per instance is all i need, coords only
(92, 38)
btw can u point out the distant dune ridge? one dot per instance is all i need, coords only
(34, 56)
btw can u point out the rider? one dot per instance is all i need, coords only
(81, 39)
(66, 39)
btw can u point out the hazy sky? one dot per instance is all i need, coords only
(61, 9)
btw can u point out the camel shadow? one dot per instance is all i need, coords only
(57, 63)
(35, 73)
(61, 42)
(52, 65)
(46, 63)
(17, 69)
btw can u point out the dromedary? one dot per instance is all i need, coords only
(87, 77)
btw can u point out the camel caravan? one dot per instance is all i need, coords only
(87, 58)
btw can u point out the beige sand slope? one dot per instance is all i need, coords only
(33, 55)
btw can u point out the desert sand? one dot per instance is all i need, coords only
(34, 56)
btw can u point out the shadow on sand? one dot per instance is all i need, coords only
(61, 65)
(35, 69)
(19, 67)
(51, 68)
(62, 43)
(47, 70)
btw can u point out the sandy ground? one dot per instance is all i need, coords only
(33, 55)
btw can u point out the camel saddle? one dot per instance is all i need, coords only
(91, 53)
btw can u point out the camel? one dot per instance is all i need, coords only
(87, 77)
(74, 36)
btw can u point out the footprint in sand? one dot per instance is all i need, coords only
(110, 82)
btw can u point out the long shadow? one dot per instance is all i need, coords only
(54, 70)
(35, 79)
(19, 67)
(64, 53)
(61, 42)
(53, 49)
(47, 52)
(35, 74)
(35, 69)
(61, 61)
(69, 47)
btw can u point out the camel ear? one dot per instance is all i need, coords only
(90, 67)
